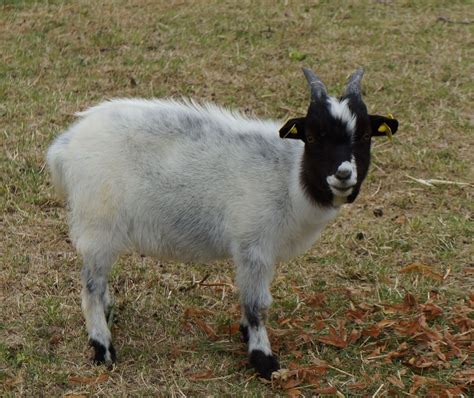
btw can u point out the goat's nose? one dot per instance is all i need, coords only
(343, 173)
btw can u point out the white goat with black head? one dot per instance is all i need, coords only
(182, 181)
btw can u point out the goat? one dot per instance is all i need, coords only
(190, 182)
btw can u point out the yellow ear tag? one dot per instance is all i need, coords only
(293, 130)
(385, 128)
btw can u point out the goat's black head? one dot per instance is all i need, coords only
(337, 135)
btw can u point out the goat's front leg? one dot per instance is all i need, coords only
(254, 276)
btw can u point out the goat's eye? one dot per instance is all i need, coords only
(366, 137)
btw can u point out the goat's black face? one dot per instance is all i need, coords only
(337, 135)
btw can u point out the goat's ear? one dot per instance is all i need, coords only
(382, 125)
(293, 128)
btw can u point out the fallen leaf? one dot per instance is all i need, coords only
(420, 362)
(319, 325)
(464, 376)
(55, 339)
(422, 269)
(316, 300)
(293, 393)
(385, 323)
(357, 314)
(193, 312)
(333, 339)
(234, 329)
(88, 380)
(419, 381)
(354, 336)
(408, 327)
(206, 374)
(291, 383)
(205, 328)
(326, 390)
(372, 331)
(357, 386)
(431, 310)
(396, 381)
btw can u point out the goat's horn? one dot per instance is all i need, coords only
(353, 84)
(318, 89)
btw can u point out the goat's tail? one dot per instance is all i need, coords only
(55, 159)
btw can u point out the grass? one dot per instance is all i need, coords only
(175, 336)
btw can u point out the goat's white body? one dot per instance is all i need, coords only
(182, 181)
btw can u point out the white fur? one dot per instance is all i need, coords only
(340, 110)
(258, 340)
(183, 181)
(342, 189)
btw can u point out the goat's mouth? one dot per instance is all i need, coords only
(341, 190)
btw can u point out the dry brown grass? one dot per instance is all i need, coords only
(58, 58)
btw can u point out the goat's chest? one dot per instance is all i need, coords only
(303, 234)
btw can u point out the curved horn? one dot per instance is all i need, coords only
(318, 89)
(353, 84)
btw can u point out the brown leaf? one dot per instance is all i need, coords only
(464, 376)
(326, 390)
(333, 339)
(449, 339)
(442, 391)
(75, 396)
(384, 323)
(396, 381)
(430, 333)
(419, 381)
(471, 300)
(354, 336)
(234, 328)
(317, 300)
(204, 375)
(420, 362)
(205, 328)
(431, 310)
(435, 347)
(410, 301)
(319, 325)
(408, 327)
(193, 312)
(422, 269)
(357, 314)
(55, 339)
(294, 392)
(464, 323)
(372, 331)
(291, 383)
(88, 380)
(357, 386)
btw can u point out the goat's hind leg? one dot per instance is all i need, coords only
(96, 303)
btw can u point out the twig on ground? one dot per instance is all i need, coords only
(340, 370)
(195, 284)
(378, 390)
(433, 181)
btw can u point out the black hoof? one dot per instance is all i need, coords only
(264, 364)
(100, 353)
(244, 330)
